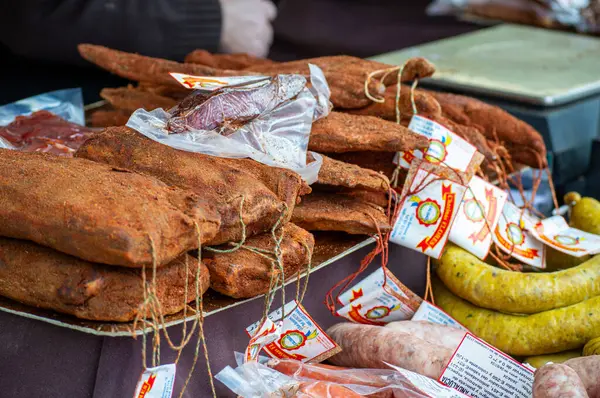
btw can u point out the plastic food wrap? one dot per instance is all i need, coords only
(269, 122)
(289, 378)
(51, 122)
(582, 15)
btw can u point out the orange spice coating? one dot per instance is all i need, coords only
(243, 273)
(97, 212)
(332, 212)
(130, 99)
(41, 277)
(267, 191)
(236, 61)
(337, 173)
(342, 132)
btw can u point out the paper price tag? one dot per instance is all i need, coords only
(427, 386)
(210, 83)
(445, 147)
(378, 308)
(477, 216)
(375, 281)
(430, 313)
(512, 237)
(555, 232)
(426, 217)
(300, 337)
(262, 335)
(479, 370)
(156, 382)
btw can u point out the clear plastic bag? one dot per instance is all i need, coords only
(290, 378)
(67, 104)
(50, 122)
(268, 123)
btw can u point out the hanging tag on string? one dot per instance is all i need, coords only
(477, 217)
(430, 201)
(261, 335)
(156, 382)
(513, 237)
(445, 147)
(378, 299)
(555, 232)
(300, 337)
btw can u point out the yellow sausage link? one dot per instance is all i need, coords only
(592, 347)
(548, 332)
(515, 292)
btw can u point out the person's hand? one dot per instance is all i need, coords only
(247, 26)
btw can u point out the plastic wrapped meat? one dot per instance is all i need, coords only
(43, 131)
(229, 107)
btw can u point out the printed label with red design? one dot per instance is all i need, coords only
(445, 147)
(211, 83)
(555, 232)
(477, 217)
(477, 369)
(267, 333)
(378, 299)
(426, 217)
(299, 337)
(156, 382)
(430, 313)
(512, 236)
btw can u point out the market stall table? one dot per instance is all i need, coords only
(55, 356)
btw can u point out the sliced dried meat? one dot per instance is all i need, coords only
(46, 132)
(331, 212)
(129, 99)
(523, 142)
(340, 174)
(97, 212)
(243, 273)
(225, 61)
(267, 191)
(41, 277)
(342, 132)
(230, 107)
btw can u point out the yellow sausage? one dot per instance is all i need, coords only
(523, 293)
(538, 361)
(585, 213)
(548, 332)
(592, 347)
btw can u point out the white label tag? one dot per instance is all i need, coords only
(267, 333)
(479, 370)
(156, 382)
(211, 83)
(375, 281)
(377, 308)
(477, 216)
(425, 219)
(430, 313)
(555, 232)
(300, 337)
(428, 386)
(512, 237)
(445, 147)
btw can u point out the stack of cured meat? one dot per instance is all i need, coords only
(80, 233)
